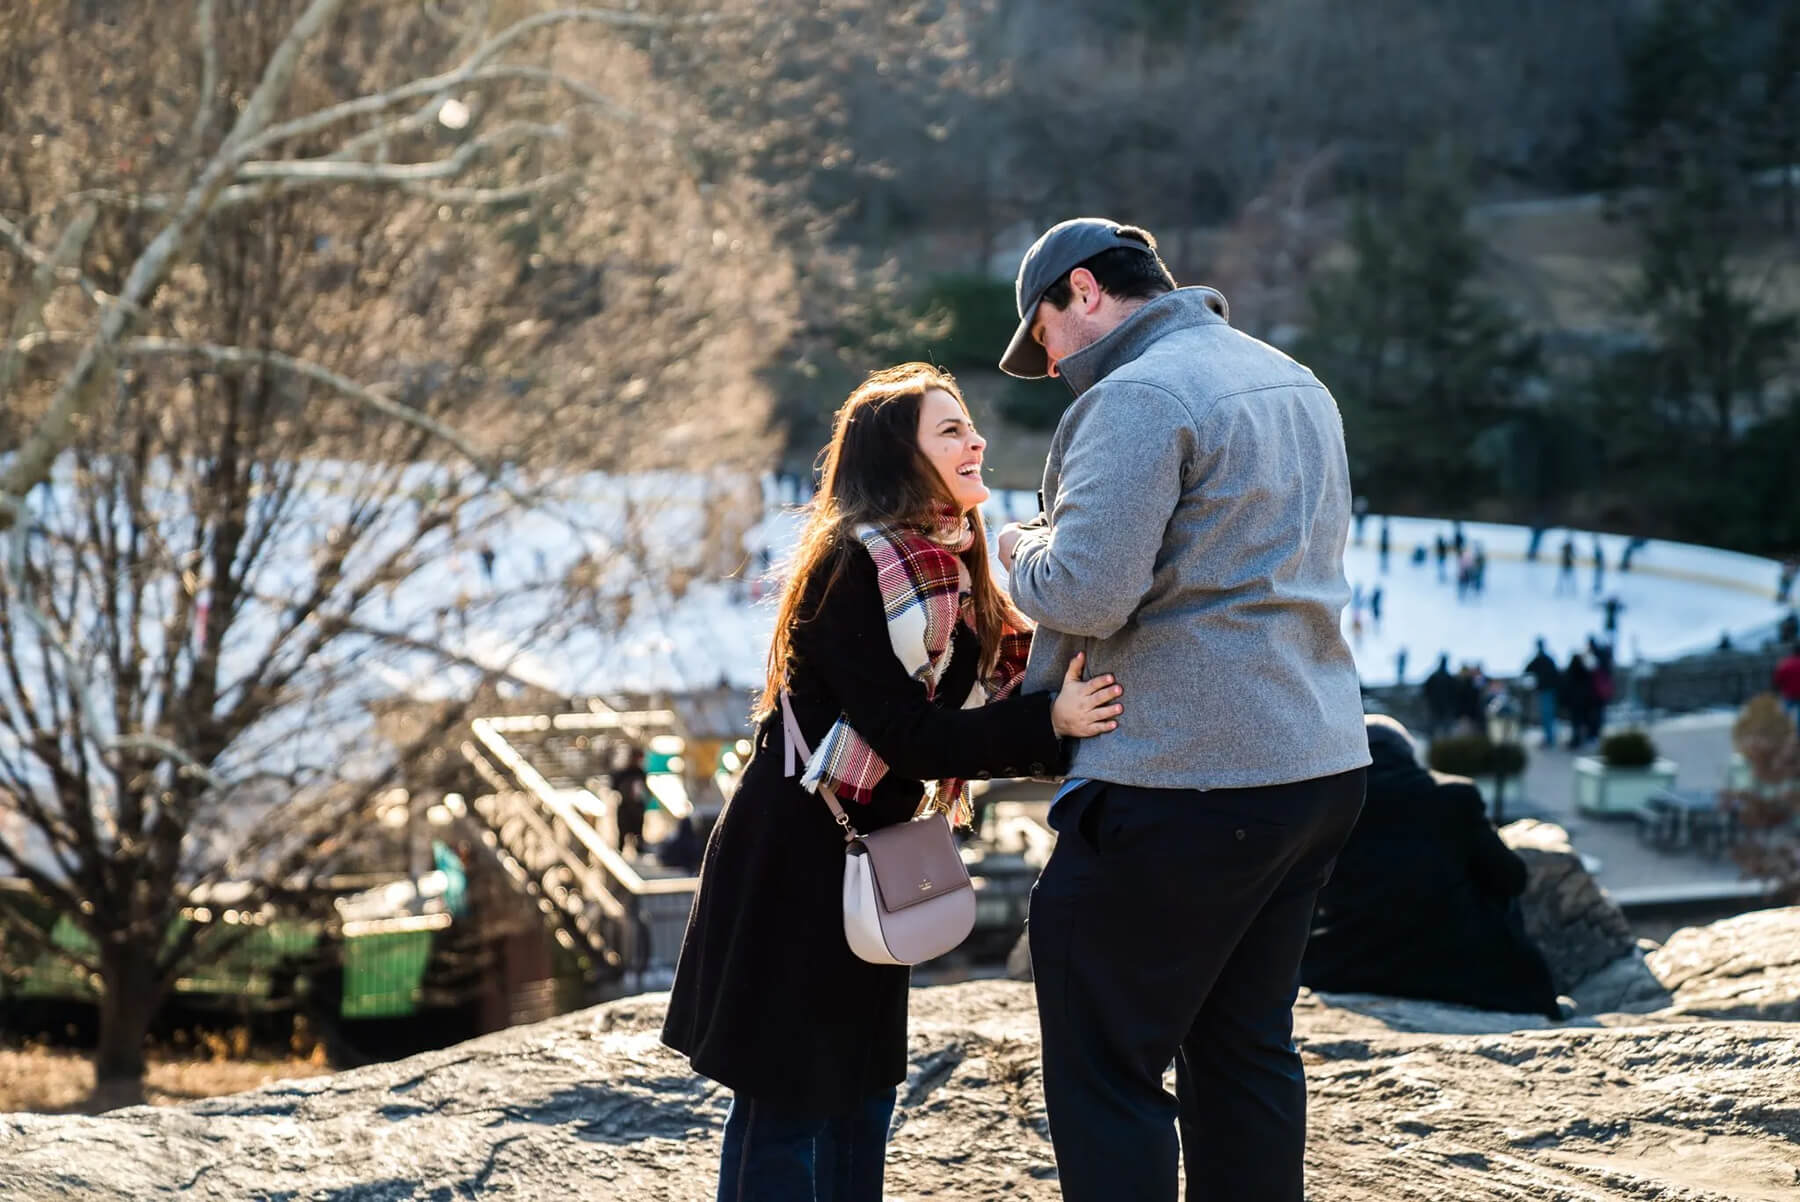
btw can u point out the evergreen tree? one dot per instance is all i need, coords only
(1711, 98)
(1421, 360)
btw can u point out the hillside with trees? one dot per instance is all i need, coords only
(1530, 248)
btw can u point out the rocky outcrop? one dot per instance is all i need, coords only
(1746, 967)
(1567, 914)
(1411, 1102)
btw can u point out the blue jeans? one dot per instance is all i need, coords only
(1547, 715)
(774, 1155)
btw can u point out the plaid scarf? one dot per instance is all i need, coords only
(925, 592)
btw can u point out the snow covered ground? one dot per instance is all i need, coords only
(1676, 598)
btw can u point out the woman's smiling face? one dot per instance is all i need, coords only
(949, 440)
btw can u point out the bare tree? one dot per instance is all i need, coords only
(318, 310)
(1769, 804)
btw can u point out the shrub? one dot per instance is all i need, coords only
(967, 321)
(1509, 759)
(1033, 404)
(1462, 755)
(1628, 749)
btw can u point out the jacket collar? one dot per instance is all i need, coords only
(1177, 310)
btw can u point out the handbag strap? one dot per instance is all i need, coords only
(796, 750)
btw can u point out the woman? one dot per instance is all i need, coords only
(768, 999)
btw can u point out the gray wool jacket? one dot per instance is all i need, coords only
(1199, 500)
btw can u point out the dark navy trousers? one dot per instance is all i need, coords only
(1169, 926)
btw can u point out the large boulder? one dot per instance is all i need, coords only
(1567, 914)
(1743, 967)
(590, 1105)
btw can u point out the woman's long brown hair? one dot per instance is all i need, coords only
(874, 472)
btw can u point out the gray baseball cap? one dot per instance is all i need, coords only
(1060, 250)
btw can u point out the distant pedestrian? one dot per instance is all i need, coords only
(1443, 553)
(1400, 666)
(1383, 546)
(1360, 508)
(1458, 541)
(1531, 548)
(1787, 682)
(1599, 566)
(1784, 582)
(1632, 547)
(1610, 608)
(1579, 701)
(1471, 698)
(1478, 570)
(1546, 682)
(632, 784)
(1602, 656)
(1375, 607)
(1565, 575)
(486, 555)
(1440, 698)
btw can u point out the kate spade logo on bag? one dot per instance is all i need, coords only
(925, 884)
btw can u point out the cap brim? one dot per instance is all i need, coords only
(1025, 357)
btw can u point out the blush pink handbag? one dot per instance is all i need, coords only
(907, 896)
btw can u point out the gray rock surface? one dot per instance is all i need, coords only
(1743, 967)
(1411, 1102)
(1567, 914)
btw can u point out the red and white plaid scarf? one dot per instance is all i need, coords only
(925, 592)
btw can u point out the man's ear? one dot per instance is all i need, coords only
(1085, 295)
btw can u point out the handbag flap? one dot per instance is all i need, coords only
(915, 862)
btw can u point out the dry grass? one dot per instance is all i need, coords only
(61, 1082)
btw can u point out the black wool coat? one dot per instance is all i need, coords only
(768, 998)
(1420, 903)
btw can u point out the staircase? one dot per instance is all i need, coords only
(539, 820)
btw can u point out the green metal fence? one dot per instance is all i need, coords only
(382, 972)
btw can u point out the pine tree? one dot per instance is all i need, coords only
(1421, 360)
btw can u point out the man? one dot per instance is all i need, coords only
(1198, 502)
(1440, 698)
(632, 784)
(1546, 680)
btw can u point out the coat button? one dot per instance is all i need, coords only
(1240, 833)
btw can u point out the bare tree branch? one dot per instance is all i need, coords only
(237, 356)
(439, 85)
(512, 194)
(329, 169)
(57, 266)
(76, 394)
(209, 76)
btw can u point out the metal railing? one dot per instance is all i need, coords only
(545, 838)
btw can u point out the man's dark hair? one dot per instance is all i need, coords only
(1121, 272)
